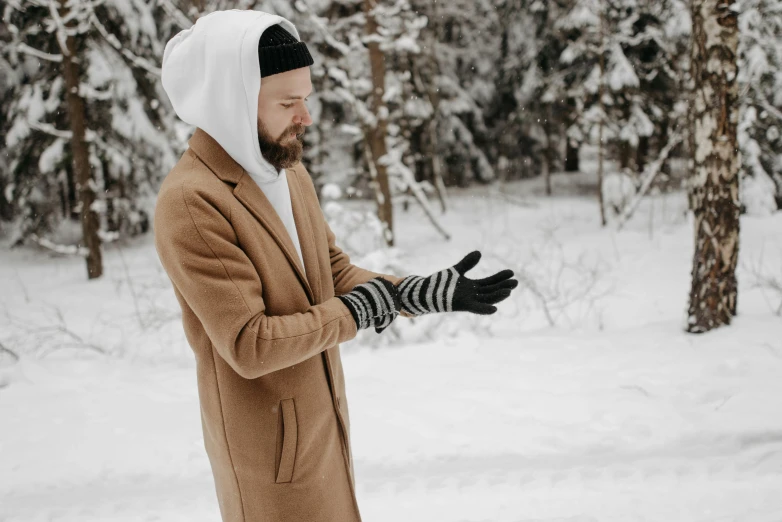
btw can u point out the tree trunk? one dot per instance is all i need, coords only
(626, 154)
(434, 99)
(571, 157)
(377, 135)
(81, 166)
(6, 210)
(437, 175)
(601, 147)
(641, 152)
(715, 177)
(548, 152)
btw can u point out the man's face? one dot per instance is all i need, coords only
(283, 115)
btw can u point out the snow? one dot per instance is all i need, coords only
(406, 44)
(339, 75)
(571, 53)
(619, 188)
(757, 193)
(602, 410)
(99, 68)
(583, 15)
(417, 108)
(51, 155)
(138, 20)
(330, 191)
(620, 73)
(31, 109)
(681, 24)
(756, 188)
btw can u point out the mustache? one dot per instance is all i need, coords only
(297, 129)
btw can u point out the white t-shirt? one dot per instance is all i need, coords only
(278, 194)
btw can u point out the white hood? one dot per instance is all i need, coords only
(212, 77)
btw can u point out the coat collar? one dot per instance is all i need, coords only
(249, 194)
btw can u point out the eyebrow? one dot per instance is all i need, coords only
(295, 97)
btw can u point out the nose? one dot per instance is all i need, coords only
(304, 117)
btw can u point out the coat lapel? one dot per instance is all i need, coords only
(249, 194)
(252, 197)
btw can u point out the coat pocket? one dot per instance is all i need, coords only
(287, 437)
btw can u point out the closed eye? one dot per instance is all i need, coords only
(289, 105)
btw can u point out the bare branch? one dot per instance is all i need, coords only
(50, 129)
(766, 104)
(70, 250)
(87, 91)
(26, 49)
(510, 198)
(62, 35)
(90, 136)
(764, 281)
(179, 17)
(139, 62)
(22, 285)
(651, 173)
(62, 328)
(393, 161)
(302, 7)
(132, 288)
(13, 354)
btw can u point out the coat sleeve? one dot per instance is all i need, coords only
(199, 250)
(347, 275)
(344, 274)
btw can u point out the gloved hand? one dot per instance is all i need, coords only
(450, 291)
(374, 303)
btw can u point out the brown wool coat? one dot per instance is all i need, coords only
(266, 338)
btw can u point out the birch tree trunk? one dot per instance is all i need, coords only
(85, 184)
(715, 196)
(377, 135)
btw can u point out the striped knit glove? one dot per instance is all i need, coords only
(374, 303)
(449, 291)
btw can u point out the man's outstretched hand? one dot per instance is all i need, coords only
(450, 290)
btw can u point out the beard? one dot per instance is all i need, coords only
(283, 152)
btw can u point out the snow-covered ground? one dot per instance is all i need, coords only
(582, 399)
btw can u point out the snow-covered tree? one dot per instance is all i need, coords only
(468, 39)
(468, 92)
(625, 79)
(760, 124)
(531, 89)
(85, 133)
(362, 94)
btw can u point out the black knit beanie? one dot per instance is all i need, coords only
(279, 51)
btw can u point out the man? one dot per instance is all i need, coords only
(266, 294)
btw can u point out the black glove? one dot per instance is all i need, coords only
(449, 291)
(374, 303)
